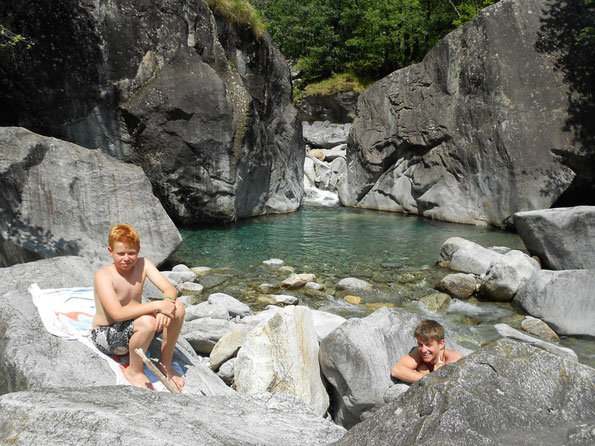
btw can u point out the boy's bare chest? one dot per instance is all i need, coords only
(127, 289)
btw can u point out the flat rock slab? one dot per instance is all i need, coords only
(131, 416)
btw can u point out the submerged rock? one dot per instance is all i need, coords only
(505, 393)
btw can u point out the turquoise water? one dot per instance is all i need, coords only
(331, 241)
(395, 252)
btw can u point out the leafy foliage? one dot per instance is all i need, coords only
(370, 38)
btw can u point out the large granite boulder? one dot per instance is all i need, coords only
(32, 358)
(281, 355)
(505, 393)
(201, 104)
(357, 357)
(562, 238)
(62, 199)
(475, 132)
(506, 275)
(563, 299)
(130, 416)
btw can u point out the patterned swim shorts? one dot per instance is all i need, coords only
(113, 339)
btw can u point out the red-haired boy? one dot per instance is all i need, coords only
(122, 323)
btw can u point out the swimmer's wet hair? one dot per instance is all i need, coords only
(428, 330)
(123, 233)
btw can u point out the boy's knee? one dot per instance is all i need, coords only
(145, 323)
(180, 310)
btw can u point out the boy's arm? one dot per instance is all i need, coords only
(118, 312)
(405, 369)
(160, 281)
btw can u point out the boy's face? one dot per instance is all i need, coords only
(124, 256)
(430, 349)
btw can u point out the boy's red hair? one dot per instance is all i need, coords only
(123, 233)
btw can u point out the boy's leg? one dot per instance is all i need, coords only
(144, 331)
(170, 337)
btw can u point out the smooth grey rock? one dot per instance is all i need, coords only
(130, 416)
(506, 275)
(151, 292)
(505, 393)
(191, 288)
(180, 276)
(202, 105)
(62, 199)
(325, 134)
(204, 333)
(182, 268)
(234, 306)
(357, 357)
(314, 286)
(506, 331)
(325, 323)
(353, 284)
(459, 285)
(339, 151)
(394, 391)
(466, 256)
(562, 299)
(255, 319)
(460, 136)
(267, 288)
(208, 310)
(227, 371)
(226, 348)
(281, 355)
(32, 358)
(538, 328)
(212, 280)
(285, 299)
(562, 238)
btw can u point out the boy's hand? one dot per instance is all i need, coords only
(167, 307)
(161, 321)
(439, 363)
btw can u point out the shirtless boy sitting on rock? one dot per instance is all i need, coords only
(122, 323)
(428, 356)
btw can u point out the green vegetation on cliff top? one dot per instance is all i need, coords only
(240, 12)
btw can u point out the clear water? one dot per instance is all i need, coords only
(396, 253)
(331, 241)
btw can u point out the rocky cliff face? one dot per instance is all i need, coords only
(201, 105)
(479, 130)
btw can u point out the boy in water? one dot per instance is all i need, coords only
(122, 323)
(428, 356)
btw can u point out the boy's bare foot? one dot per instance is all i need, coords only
(171, 374)
(138, 379)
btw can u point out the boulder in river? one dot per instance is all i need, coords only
(505, 393)
(563, 299)
(357, 357)
(484, 127)
(562, 238)
(281, 355)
